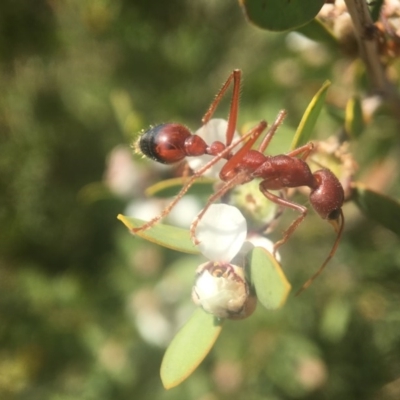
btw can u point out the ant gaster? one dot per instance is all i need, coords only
(170, 143)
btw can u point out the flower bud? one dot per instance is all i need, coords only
(258, 211)
(221, 289)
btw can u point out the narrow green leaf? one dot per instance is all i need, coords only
(336, 113)
(170, 187)
(272, 287)
(307, 123)
(164, 235)
(354, 120)
(189, 347)
(376, 7)
(280, 15)
(378, 207)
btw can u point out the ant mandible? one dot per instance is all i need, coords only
(170, 143)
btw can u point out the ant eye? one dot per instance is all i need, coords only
(334, 215)
(164, 143)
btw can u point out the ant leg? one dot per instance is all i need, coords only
(271, 132)
(230, 167)
(229, 175)
(238, 179)
(197, 174)
(330, 255)
(285, 203)
(270, 226)
(185, 172)
(304, 150)
(234, 107)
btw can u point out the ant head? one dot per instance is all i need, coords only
(327, 197)
(164, 143)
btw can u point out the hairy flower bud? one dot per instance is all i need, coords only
(221, 289)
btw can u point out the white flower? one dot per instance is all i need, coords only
(261, 241)
(214, 130)
(181, 215)
(221, 231)
(221, 287)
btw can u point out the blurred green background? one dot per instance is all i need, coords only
(86, 310)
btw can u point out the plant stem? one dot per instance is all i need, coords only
(365, 32)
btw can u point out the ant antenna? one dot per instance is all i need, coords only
(330, 255)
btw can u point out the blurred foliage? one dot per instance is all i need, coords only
(86, 310)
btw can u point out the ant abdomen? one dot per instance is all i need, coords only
(164, 143)
(170, 143)
(328, 196)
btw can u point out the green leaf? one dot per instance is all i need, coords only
(164, 235)
(189, 347)
(378, 207)
(336, 113)
(270, 283)
(307, 123)
(280, 15)
(316, 30)
(354, 120)
(376, 7)
(170, 187)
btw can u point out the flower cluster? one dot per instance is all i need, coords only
(223, 234)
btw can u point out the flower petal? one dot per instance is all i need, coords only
(214, 130)
(221, 232)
